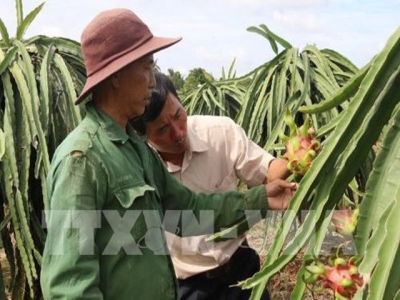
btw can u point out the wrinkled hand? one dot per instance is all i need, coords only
(279, 193)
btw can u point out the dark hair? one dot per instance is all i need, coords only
(157, 101)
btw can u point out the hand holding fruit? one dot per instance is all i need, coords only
(279, 192)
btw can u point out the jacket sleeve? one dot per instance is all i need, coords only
(70, 266)
(196, 214)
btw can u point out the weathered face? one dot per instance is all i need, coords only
(168, 133)
(136, 82)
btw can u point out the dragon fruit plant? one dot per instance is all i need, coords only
(301, 146)
(340, 275)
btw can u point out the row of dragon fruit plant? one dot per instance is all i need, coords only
(342, 181)
(40, 77)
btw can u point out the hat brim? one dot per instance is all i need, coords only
(152, 45)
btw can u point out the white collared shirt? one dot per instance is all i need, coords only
(219, 155)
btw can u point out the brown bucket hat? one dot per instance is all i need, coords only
(111, 41)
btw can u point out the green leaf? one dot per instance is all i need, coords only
(13, 194)
(285, 44)
(31, 99)
(348, 146)
(379, 191)
(9, 126)
(4, 33)
(231, 73)
(65, 47)
(227, 233)
(314, 246)
(260, 104)
(4, 223)
(321, 64)
(244, 118)
(266, 35)
(393, 287)
(2, 144)
(8, 59)
(341, 95)
(378, 236)
(23, 26)
(341, 61)
(19, 10)
(44, 87)
(69, 89)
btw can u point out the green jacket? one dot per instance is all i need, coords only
(109, 201)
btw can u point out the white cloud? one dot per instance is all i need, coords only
(291, 3)
(210, 55)
(287, 3)
(245, 2)
(219, 58)
(214, 32)
(278, 3)
(296, 20)
(51, 31)
(188, 28)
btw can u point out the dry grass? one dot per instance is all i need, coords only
(5, 271)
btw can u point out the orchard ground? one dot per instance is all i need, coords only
(260, 238)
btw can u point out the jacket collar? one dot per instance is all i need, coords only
(111, 128)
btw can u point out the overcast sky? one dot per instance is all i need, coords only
(214, 31)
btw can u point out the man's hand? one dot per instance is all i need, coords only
(277, 169)
(279, 193)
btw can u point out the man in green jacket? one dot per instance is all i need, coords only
(110, 197)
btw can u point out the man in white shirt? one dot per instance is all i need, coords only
(207, 154)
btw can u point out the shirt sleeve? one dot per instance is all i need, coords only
(251, 162)
(213, 212)
(71, 259)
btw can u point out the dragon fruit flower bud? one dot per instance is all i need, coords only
(345, 220)
(353, 270)
(340, 262)
(346, 282)
(301, 145)
(314, 269)
(312, 132)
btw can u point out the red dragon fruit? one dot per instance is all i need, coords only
(341, 276)
(345, 220)
(301, 145)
